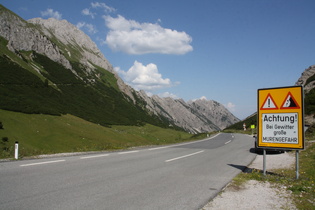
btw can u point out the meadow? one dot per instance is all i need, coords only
(39, 134)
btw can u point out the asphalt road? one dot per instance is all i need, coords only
(183, 176)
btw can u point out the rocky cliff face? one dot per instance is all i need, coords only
(73, 40)
(65, 44)
(210, 109)
(303, 80)
(307, 80)
(23, 36)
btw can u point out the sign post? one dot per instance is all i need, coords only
(281, 119)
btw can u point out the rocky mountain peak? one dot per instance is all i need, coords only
(24, 36)
(73, 39)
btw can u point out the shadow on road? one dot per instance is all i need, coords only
(259, 151)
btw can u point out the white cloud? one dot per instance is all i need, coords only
(143, 77)
(132, 37)
(230, 106)
(87, 11)
(90, 28)
(51, 13)
(96, 5)
(201, 98)
(167, 94)
(103, 6)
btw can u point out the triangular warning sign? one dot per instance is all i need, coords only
(269, 103)
(290, 102)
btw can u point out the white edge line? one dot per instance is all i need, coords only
(156, 148)
(40, 163)
(122, 153)
(184, 156)
(176, 145)
(94, 156)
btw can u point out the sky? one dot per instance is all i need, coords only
(222, 50)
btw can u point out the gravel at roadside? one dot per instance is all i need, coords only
(254, 194)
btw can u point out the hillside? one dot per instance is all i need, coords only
(51, 67)
(39, 134)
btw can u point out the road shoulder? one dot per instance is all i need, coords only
(254, 194)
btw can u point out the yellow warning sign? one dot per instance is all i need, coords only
(281, 118)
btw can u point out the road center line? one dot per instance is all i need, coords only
(94, 156)
(227, 142)
(122, 153)
(184, 156)
(40, 163)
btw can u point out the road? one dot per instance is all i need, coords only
(182, 176)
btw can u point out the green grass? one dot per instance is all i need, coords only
(46, 134)
(303, 189)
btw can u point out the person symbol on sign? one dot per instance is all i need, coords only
(287, 102)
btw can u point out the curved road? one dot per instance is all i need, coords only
(182, 176)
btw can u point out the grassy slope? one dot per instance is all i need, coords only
(45, 134)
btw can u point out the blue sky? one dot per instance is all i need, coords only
(222, 50)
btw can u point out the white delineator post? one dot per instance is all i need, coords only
(16, 150)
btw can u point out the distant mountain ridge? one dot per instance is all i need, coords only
(194, 116)
(62, 71)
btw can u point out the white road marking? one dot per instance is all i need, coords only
(94, 156)
(156, 148)
(184, 156)
(176, 145)
(227, 142)
(135, 151)
(128, 152)
(41, 163)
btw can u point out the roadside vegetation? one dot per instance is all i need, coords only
(39, 134)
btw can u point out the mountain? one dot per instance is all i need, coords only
(44, 73)
(52, 67)
(194, 116)
(307, 80)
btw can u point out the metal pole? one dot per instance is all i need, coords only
(264, 162)
(297, 163)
